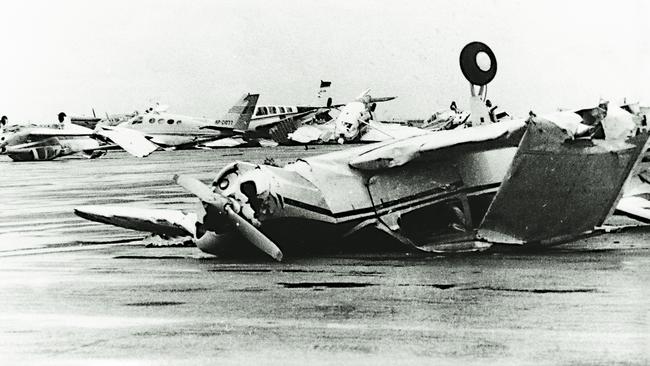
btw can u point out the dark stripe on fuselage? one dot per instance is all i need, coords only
(405, 201)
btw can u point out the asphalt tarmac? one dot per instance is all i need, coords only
(75, 292)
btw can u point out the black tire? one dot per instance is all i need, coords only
(470, 69)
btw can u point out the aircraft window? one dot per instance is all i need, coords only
(178, 122)
(281, 109)
(152, 120)
(161, 120)
(170, 121)
(272, 110)
(261, 111)
(137, 120)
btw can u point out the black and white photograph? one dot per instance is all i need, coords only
(324, 182)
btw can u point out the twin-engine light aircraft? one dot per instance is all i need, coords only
(33, 143)
(177, 131)
(540, 181)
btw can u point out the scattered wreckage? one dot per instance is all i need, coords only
(536, 182)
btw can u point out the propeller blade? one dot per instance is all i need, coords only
(250, 232)
(245, 228)
(202, 191)
(380, 99)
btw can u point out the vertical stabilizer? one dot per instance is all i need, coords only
(239, 115)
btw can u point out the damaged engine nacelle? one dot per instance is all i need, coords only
(251, 191)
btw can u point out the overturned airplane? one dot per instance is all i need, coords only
(540, 181)
(355, 124)
(38, 143)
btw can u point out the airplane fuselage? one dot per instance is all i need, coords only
(168, 129)
(21, 146)
(538, 192)
(266, 116)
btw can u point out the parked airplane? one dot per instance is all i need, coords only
(29, 143)
(177, 131)
(541, 181)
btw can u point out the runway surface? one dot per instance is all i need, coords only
(75, 292)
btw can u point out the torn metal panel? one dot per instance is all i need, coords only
(557, 188)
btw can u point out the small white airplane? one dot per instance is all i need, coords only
(35, 143)
(355, 123)
(179, 131)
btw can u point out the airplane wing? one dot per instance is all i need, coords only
(378, 132)
(132, 141)
(224, 142)
(172, 223)
(400, 152)
(55, 132)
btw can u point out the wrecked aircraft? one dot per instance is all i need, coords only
(536, 182)
(36, 143)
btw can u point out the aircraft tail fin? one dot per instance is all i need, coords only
(323, 98)
(239, 116)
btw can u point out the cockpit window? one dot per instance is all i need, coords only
(261, 111)
(281, 109)
(272, 110)
(137, 120)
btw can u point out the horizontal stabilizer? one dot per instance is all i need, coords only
(170, 223)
